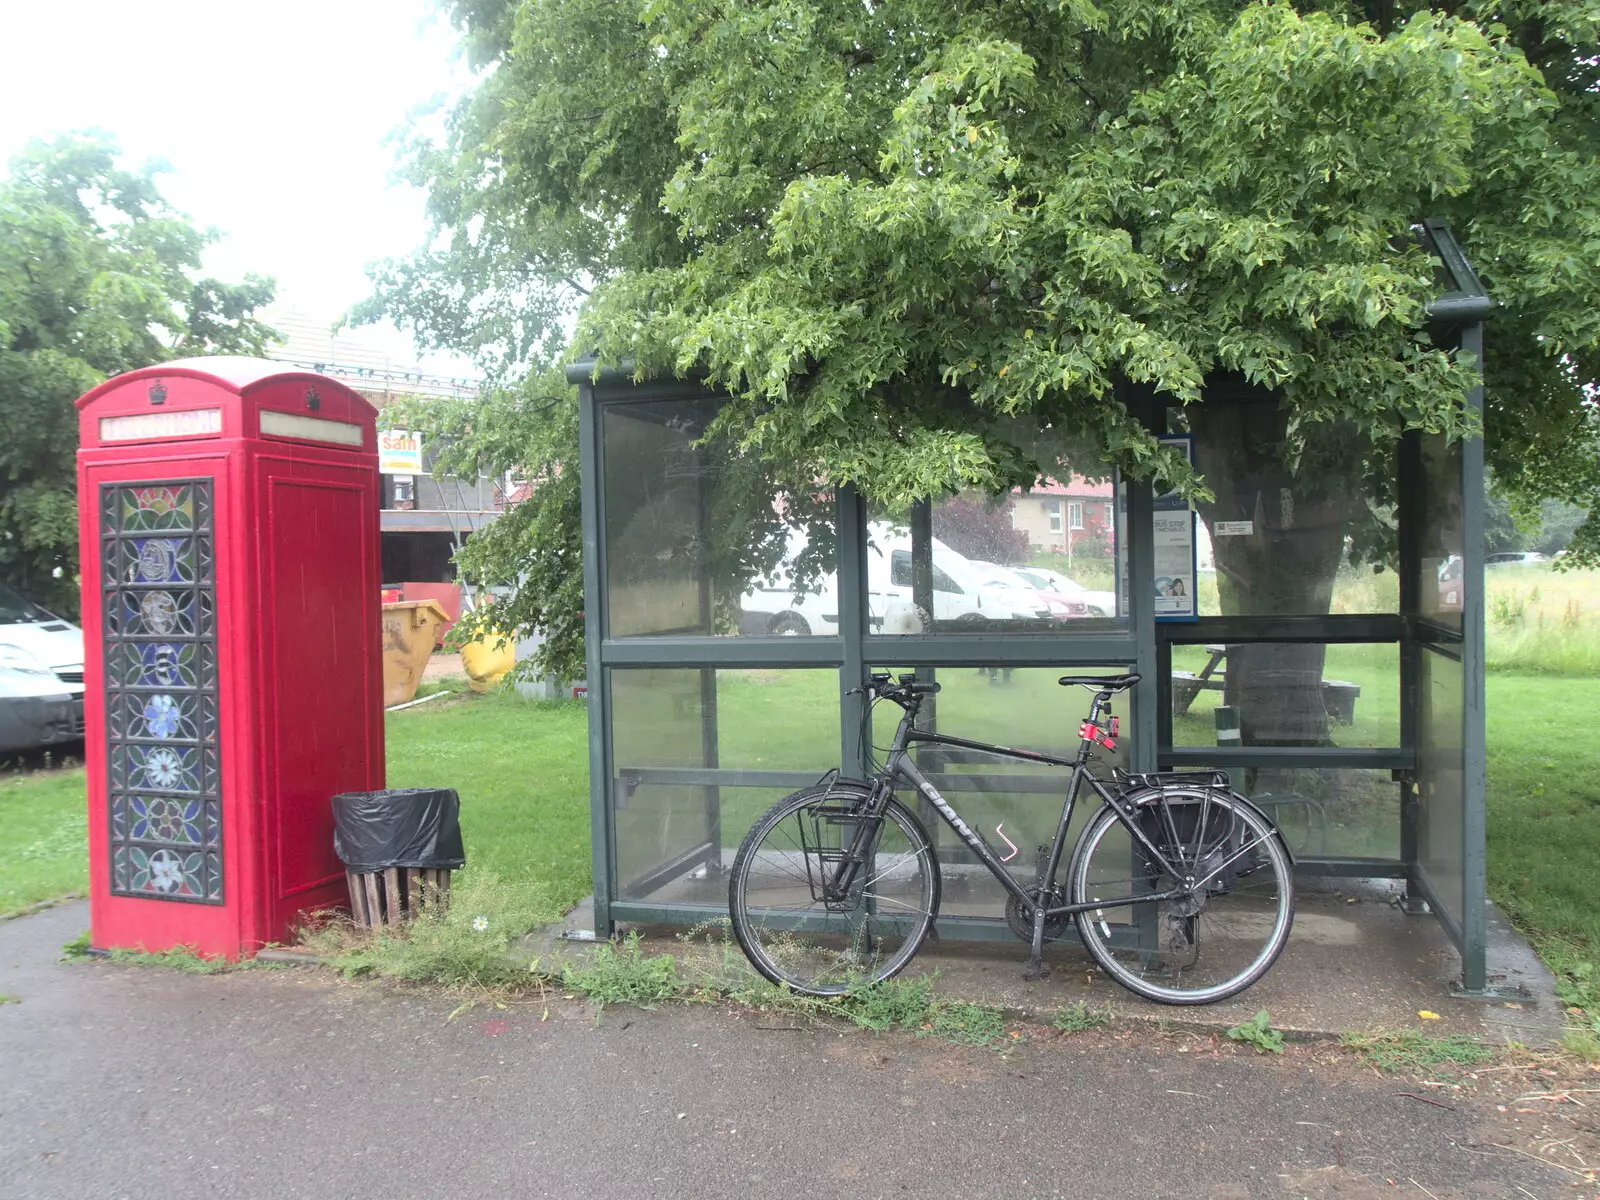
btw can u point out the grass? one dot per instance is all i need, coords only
(75, 948)
(1542, 621)
(42, 855)
(522, 771)
(1544, 822)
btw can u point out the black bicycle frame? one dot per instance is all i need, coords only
(899, 766)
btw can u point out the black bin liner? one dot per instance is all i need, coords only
(400, 827)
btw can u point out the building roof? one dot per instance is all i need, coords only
(1077, 486)
(357, 357)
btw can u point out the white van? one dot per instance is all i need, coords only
(960, 593)
(41, 676)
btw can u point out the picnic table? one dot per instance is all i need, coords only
(1338, 695)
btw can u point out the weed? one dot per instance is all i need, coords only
(910, 1004)
(1577, 978)
(1509, 610)
(1583, 1041)
(75, 948)
(965, 1024)
(1258, 1032)
(1080, 1018)
(622, 973)
(179, 958)
(894, 1003)
(466, 944)
(1406, 1050)
(8, 999)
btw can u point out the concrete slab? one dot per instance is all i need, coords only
(1355, 961)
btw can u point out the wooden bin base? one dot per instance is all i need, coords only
(391, 896)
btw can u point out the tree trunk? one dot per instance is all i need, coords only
(1282, 563)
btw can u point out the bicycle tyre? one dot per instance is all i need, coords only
(1155, 949)
(838, 947)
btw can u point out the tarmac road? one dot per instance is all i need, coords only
(121, 1081)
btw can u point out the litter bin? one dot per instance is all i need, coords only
(409, 630)
(398, 847)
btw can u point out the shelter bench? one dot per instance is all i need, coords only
(1338, 695)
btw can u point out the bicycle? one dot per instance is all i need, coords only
(1181, 889)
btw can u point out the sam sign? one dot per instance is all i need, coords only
(399, 452)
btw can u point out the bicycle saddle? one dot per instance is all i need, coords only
(1101, 683)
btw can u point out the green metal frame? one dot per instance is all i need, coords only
(1141, 643)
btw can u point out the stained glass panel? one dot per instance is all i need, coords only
(163, 802)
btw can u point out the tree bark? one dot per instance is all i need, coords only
(1284, 565)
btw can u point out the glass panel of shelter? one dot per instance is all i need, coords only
(1304, 525)
(696, 542)
(1035, 561)
(697, 755)
(1304, 520)
(1441, 782)
(1015, 805)
(1441, 566)
(1283, 694)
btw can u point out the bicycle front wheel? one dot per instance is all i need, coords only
(789, 926)
(1229, 896)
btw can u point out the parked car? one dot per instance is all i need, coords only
(1452, 573)
(41, 675)
(1062, 608)
(1097, 603)
(1515, 558)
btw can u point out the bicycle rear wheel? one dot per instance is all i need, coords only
(792, 933)
(1233, 908)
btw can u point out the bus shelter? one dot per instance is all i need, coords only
(1316, 631)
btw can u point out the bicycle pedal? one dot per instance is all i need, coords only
(1035, 971)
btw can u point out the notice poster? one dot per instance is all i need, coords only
(1172, 536)
(399, 452)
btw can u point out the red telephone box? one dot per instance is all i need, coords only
(228, 518)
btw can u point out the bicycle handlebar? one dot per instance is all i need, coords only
(907, 686)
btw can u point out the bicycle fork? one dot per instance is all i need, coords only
(854, 857)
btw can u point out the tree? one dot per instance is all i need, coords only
(930, 246)
(981, 530)
(97, 276)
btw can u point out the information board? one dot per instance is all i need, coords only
(1173, 539)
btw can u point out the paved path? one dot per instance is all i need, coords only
(133, 1082)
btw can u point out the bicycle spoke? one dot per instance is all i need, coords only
(1185, 943)
(792, 934)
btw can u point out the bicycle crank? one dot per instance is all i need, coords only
(1021, 924)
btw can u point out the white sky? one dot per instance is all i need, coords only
(274, 118)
